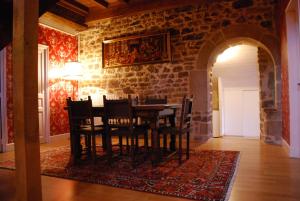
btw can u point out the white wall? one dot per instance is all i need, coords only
(292, 21)
(241, 70)
(239, 93)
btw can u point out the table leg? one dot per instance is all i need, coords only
(108, 144)
(155, 140)
(172, 120)
(75, 146)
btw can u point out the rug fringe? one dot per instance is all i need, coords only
(233, 178)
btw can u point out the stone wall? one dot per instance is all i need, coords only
(270, 99)
(190, 27)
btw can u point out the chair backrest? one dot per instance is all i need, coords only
(80, 112)
(117, 112)
(186, 113)
(156, 100)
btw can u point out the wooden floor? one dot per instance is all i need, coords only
(265, 173)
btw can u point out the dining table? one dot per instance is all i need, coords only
(152, 113)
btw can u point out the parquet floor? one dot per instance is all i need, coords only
(265, 173)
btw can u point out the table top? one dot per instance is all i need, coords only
(149, 106)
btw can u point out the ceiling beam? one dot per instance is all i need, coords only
(60, 23)
(74, 6)
(102, 3)
(126, 1)
(68, 14)
(136, 7)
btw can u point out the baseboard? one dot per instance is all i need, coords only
(10, 147)
(294, 152)
(201, 138)
(251, 138)
(63, 136)
(286, 146)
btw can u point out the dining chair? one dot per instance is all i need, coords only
(184, 127)
(156, 100)
(119, 121)
(81, 121)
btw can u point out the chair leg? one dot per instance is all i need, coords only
(165, 139)
(86, 140)
(136, 142)
(108, 147)
(158, 140)
(121, 144)
(180, 147)
(187, 145)
(132, 150)
(75, 146)
(104, 141)
(127, 144)
(94, 147)
(88, 144)
(146, 141)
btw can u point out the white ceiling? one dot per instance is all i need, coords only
(241, 70)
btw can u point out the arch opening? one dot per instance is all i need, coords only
(269, 87)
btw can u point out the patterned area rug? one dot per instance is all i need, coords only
(206, 176)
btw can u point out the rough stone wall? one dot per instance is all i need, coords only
(267, 79)
(270, 99)
(190, 27)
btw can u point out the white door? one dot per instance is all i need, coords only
(250, 112)
(232, 112)
(43, 94)
(241, 112)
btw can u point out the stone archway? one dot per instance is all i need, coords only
(268, 46)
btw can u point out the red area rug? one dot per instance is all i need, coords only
(206, 176)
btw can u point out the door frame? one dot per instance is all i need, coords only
(45, 51)
(293, 39)
(3, 137)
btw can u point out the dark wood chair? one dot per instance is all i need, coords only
(156, 100)
(119, 121)
(81, 121)
(184, 127)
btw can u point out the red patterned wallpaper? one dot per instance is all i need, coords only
(62, 48)
(9, 95)
(284, 65)
(59, 90)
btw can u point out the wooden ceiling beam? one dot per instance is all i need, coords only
(60, 23)
(102, 3)
(68, 14)
(126, 1)
(136, 7)
(74, 6)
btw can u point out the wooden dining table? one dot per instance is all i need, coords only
(152, 113)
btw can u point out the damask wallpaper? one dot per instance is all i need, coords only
(9, 95)
(62, 48)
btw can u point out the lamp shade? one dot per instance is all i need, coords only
(73, 70)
